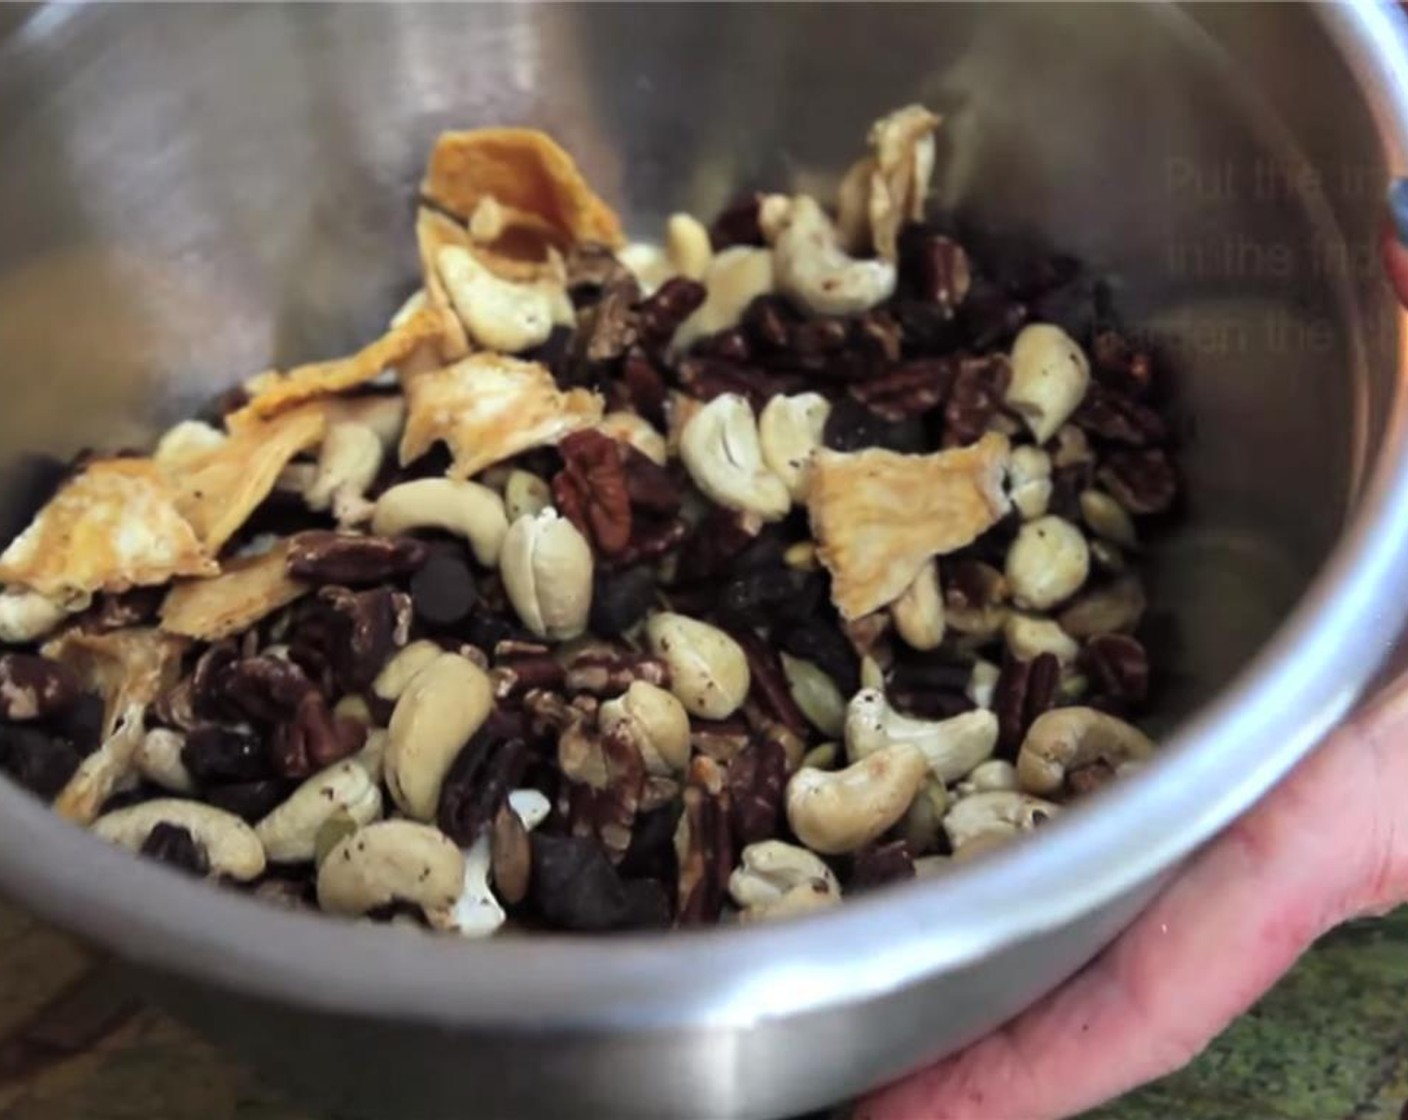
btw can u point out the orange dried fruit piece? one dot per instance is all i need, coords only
(423, 334)
(115, 526)
(433, 233)
(249, 589)
(130, 668)
(527, 173)
(488, 408)
(217, 492)
(878, 516)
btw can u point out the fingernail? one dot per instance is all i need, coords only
(1398, 208)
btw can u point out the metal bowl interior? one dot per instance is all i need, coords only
(198, 193)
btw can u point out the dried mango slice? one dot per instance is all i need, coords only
(423, 333)
(434, 232)
(527, 173)
(887, 188)
(217, 492)
(248, 590)
(117, 525)
(879, 516)
(130, 668)
(488, 408)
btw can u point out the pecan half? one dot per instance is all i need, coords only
(352, 559)
(314, 738)
(590, 490)
(478, 784)
(703, 846)
(908, 389)
(607, 778)
(975, 398)
(1118, 667)
(757, 784)
(1142, 481)
(1024, 690)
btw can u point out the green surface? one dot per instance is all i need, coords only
(1329, 1042)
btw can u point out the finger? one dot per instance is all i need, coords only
(1248, 905)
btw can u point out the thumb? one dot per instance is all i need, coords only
(1325, 844)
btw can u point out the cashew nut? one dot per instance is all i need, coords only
(982, 682)
(454, 505)
(951, 747)
(708, 669)
(525, 495)
(816, 694)
(442, 707)
(27, 615)
(402, 667)
(841, 810)
(1047, 563)
(985, 617)
(158, 759)
(1050, 374)
(994, 813)
(503, 315)
(987, 777)
(348, 463)
(655, 721)
(372, 756)
(477, 912)
(648, 264)
(923, 820)
(393, 861)
(919, 612)
(1068, 738)
(638, 432)
(814, 272)
(720, 449)
(687, 245)
(1029, 481)
(186, 441)
(1115, 608)
(289, 831)
(231, 847)
(1029, 637)
(789, 433)
(546, 567)
(771, 872)
(1107, 518)
(734, 279)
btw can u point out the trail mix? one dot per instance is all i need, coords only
(615, 585)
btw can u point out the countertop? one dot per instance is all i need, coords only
(1329, 1043)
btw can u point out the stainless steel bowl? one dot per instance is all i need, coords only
(190, 193)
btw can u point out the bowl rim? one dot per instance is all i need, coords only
(707, 979)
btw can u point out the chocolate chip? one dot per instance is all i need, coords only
(35, 760)
(218, 755)
(575, 887)
(174, 845)
(250, 801)
(443, 592)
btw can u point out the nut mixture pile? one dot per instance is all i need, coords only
(615, 585)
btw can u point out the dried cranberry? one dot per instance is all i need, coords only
(737, 224)
(823, 643)
(250, 801)
(82, 723)
(575, 887)
(853, 427)
(620, 599)
(35, 760)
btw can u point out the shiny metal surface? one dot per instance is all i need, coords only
(191, 193)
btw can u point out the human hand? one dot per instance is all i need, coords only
(1328, 844)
